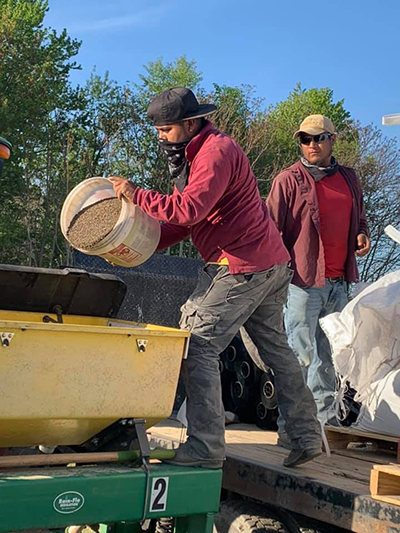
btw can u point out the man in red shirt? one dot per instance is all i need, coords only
(318, 208)
(244, 282)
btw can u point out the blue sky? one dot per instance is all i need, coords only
(351, 46)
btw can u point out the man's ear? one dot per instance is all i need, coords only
(192, 124)
(333, 139)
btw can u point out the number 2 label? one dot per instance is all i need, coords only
(159, 494)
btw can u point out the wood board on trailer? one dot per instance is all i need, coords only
(334, 490)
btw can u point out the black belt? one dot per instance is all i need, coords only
(338, 279)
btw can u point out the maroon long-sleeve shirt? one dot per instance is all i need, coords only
(293, 204)
(221, 207)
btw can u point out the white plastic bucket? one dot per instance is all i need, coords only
(135, 236)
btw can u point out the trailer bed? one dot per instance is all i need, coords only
(334, 490)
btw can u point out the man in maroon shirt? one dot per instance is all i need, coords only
(243, 284)
(318, 208)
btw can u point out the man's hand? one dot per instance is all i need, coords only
(123, 187)
(363, 245)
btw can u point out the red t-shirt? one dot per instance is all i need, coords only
(335, 205)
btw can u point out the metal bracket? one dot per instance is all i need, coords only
(6, 338)
(144, 447)
(142, 344)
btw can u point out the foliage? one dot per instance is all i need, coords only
(159, 76)
(378, 165)
(34, 97)
(62, 135)
(285, 117)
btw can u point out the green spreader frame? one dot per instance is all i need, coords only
(111, 494)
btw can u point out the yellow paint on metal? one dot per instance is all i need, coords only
(63, 383)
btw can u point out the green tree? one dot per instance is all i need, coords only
(377, 162)
(63, 135)
(160, 76)
(35, 63)
(243, 116)
(285, 117)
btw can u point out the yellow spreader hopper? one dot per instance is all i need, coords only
(68, 369)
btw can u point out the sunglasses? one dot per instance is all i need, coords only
(306, 139)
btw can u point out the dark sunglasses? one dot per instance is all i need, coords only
(306, 139)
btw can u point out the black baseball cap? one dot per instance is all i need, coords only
(175, 105)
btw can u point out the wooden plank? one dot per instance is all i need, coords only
(385, 483)
(357, 432)
(337, 440)
(366, 454)
(334, 490)
(340, 438)
(258, 446)
(254, 444)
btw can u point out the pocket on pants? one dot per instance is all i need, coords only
(200, 322)
(188, 311)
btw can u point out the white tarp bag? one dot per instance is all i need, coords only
(381, 411)
(365, 341)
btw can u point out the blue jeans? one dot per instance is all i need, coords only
(305, 307)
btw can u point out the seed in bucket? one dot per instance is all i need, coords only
(92, 224)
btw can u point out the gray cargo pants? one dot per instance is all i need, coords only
(220, 305)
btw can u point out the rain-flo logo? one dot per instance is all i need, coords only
(68, 502)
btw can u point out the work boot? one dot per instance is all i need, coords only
(284, 441)
(183, 458)
(299, 457)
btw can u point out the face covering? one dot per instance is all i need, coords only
(320, 172)
(177, 163)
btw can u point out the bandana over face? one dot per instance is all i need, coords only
(320, 172)
(177, 163)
